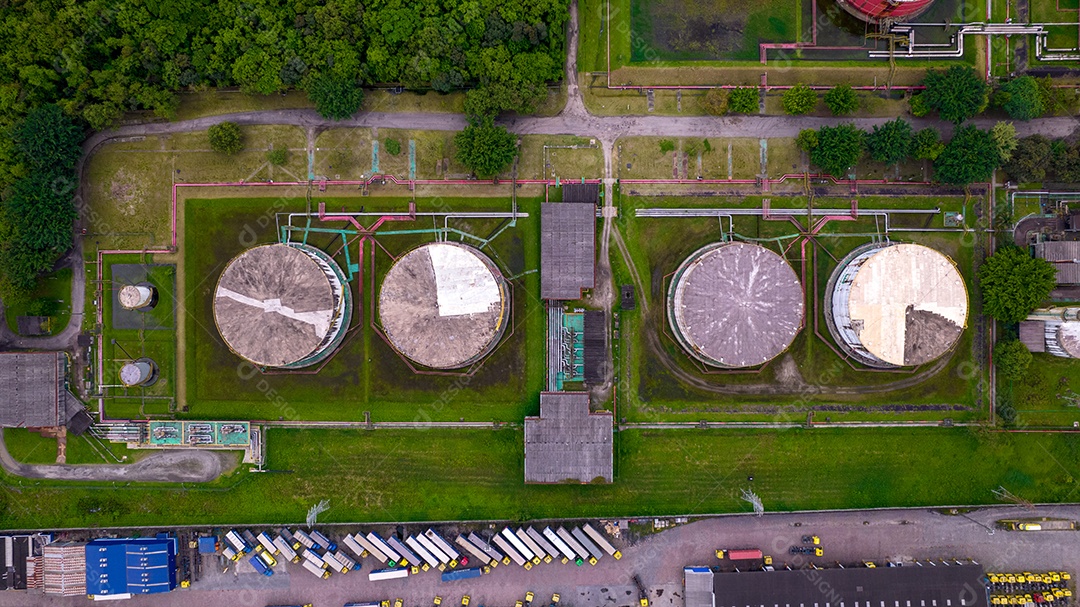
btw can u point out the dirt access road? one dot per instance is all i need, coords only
(848, 537)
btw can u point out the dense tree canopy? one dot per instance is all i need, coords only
(225, 137)
(38, 211)
(891, 142)
(956, 93)
(838, 149)
(970, 156)
(99, 58)
(799, 99)
(1014, 283)
(1021, 98)
(1030, 160)
(335, 96)
(1011, 359)
(807, 140)
(926, 144)
(1004, 136)
(485, 149)
(743, 100)
(842, 100)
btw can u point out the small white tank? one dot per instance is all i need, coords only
(135, 297)
(140, 372)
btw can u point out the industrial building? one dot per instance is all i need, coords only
(1053, 330)
(877, 11)
(282, 305)
(896, 305)
(941, 586)
(567, 442)
(122, 568)
(568, 244)
(735, 304)
(36, 394)
(444, 305)
(1064, 255)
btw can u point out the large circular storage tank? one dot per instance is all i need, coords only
(876, 10)
(282, 305)
(896, 305)
(444, 305)
(735, 305)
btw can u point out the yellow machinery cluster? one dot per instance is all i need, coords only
(1027, 588)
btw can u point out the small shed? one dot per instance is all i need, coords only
(1032, 335)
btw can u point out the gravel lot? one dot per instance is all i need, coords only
(848, 537)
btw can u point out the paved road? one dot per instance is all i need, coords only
(180, 466)
(572, 122)
(848, 537)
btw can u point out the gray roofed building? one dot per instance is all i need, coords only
(1065, 257)
(581, 192)
(567, 249)
(953, 586)
(567, 442)
(35, 391)
(1032, 335)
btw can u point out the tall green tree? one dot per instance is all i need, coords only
(48, 140)
(891, 142)
(971, 156)
(842, 100)
(1004, 136)
(743, 100)
(485, 149)
(1011, 359)
(226, 138)
(838, 149)
(335, 97)
(38, 210)
(1030, 160)
(956, 93)
(799, 99)
(1014, 283)
(926, 144)
(1021, 98)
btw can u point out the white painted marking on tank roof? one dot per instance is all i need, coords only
(319, 319)
(463, 283)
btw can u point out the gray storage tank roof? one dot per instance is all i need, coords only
(274, 305)
(735, 304)
(444, 305)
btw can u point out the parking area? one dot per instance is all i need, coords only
(846, 537)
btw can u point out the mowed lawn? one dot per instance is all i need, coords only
(477, 474)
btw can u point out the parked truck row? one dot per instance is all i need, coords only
(466, 556)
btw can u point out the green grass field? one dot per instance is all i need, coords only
(477, 474)
(31, 448)
(51, 298)
(365, 374)
(1049, 393)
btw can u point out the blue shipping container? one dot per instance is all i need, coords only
(461, 574)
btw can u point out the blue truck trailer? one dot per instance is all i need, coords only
(461, 574)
